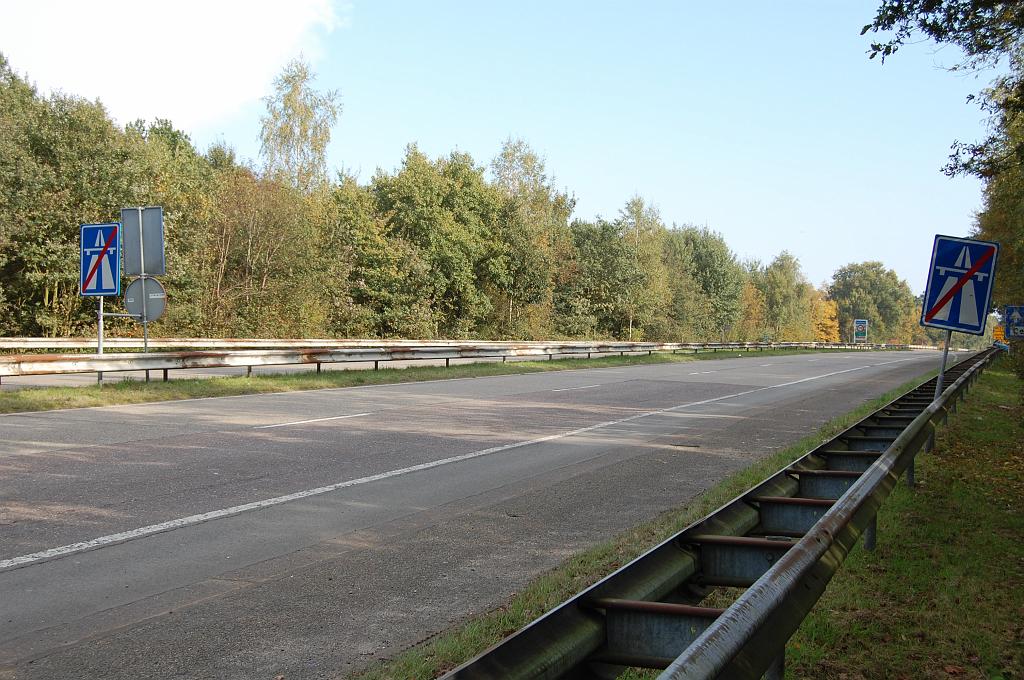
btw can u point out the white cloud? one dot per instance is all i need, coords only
(193, 61)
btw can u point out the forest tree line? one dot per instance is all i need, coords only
(438, 248)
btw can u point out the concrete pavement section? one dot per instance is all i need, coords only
(307, 534)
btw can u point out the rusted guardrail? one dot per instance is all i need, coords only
(782, 540)
(23, 344)
(363, 351)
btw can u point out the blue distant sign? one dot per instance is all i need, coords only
(1013, 318)
(959, 284)
(101, 260)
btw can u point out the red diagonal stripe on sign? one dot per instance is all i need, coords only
(960, 284)
(103, 253)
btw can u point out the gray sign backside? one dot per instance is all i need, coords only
(143, 241)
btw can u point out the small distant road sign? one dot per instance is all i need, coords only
(101, 260)
(1013, 319)
(146, 299)
(959, 284)
(860, 330)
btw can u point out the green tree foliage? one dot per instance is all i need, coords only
(867, 290)
(440, 247)
(447, 210)
(62, 162)
(789, 299)
(719, 277)
(689, 313)
(645, 292)
(297, 128)
(531, 231)
(990, 34)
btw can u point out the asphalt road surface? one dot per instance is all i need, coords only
(306, 534)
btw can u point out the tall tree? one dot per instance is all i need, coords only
(788, 299)
(296, 128)
(645, 293)
(867, 290)
(447, 210)
(718, 274)
(532, 228)
(689, 308)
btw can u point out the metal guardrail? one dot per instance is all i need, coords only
(341, 351)
(782, 540)
(32, 344)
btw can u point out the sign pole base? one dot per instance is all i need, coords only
(930, 444)
(942, 367)
(99, 339)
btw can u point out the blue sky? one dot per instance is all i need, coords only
(765, 121)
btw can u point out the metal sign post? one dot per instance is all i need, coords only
(942, 366)
(145, 316)
(960, 281)
(144, 257)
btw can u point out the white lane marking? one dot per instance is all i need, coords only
(567, 389)
(763, 365)
(183, 522)
(312, 420)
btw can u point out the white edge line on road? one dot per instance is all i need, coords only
(568, 389)
(182, 522)
(313, 420)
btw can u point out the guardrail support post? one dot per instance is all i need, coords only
(248, 371)
(318, 367)
(165, 375)
(147, 375)
(99, 378)
(777, 671)
(871, 534)
(503, 358)
(447, 362)
(376, 364)
(911, 482)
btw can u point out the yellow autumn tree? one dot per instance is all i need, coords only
(825, 314)
(750, 325)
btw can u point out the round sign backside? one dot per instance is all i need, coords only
(156, 299)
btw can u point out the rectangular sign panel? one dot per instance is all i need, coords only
(1013, 319)
(860, 330)
(960, 280)
(101, 260)
(143, 241)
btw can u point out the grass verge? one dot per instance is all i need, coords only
(136, 392)
(943, 594)
(450, 648)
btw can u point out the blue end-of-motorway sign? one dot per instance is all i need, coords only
(959, 284)
(101, 260)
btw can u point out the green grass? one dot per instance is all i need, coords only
(136, 391)
(450, 648)
(943, 594)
